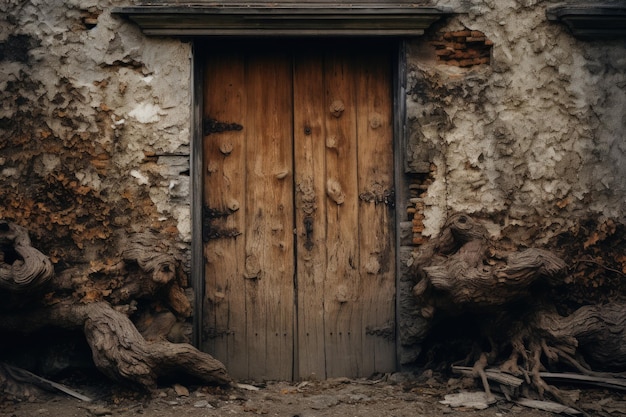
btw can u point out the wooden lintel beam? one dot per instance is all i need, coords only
(286, 20)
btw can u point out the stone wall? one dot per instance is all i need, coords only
(526, 131)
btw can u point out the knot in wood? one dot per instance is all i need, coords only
(336, 108)
(331, 142)
(226, 148)
(252, 267)
(233, 205)
(464, 228)
(376, 120)
(334, 191)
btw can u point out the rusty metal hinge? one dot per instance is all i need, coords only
(386, 197)
(210, 126)
(209, 230)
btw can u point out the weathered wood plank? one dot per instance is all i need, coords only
(310, 177)
(342, 301)
(376, 221)
(224, 192)
(269, 261)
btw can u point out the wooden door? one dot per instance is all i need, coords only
(298, 225)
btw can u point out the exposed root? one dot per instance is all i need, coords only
(479, 371)
(462, 271)
(531, 358)
(584, 369)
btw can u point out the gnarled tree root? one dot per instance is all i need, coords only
(118, 349)
(22, 267)
(461, 271)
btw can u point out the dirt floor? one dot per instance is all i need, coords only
(398, 395)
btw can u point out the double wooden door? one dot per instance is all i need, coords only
(298, 210)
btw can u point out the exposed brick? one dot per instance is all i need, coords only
(463, 48)
(418, 229)
(461, 33)
(417, 218)
(472, 53)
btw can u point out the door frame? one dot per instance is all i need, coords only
(204, 19)
(197, 156)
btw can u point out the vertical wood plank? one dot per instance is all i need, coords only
(376, 221)
(342, 306)
(224, 198)
(310, 180)
(269, 258)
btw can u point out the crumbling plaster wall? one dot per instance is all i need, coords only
(533, 143)
(94, 129)
(535, 140)
(94, 121)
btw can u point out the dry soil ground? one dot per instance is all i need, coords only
(393, 395)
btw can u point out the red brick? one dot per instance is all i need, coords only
(444, 52)
(417, 218)
(476, 39)
(477, 34)
(418, 229)
(461, 33)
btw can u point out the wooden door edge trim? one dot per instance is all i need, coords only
(196, 193)
(399, 146)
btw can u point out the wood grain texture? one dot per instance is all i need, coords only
(269, 261)
(225, 333)
(376, 218)
(22, 267)
(312, 116)
(99, 299)
(118, 349)
(309, 142)
(342, 304)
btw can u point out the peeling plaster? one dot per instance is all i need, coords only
(82, 105)
(97, 125)
(535, 127)
(146, 113)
